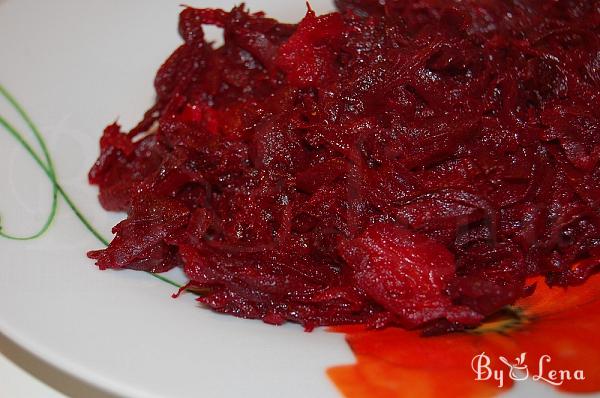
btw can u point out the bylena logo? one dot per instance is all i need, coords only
(518, 370)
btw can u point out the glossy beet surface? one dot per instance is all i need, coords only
(408, 164)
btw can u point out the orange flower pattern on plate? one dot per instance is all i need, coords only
(562, 323)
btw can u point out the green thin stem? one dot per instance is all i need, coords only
(48, 167)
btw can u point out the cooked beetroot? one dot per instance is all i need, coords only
(409, 164)
(406, 273)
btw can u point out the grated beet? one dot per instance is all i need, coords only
(406, 164)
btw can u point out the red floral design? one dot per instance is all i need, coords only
(562, 323)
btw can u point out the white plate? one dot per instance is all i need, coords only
(76, 66)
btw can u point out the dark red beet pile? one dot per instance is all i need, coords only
(409, 164)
